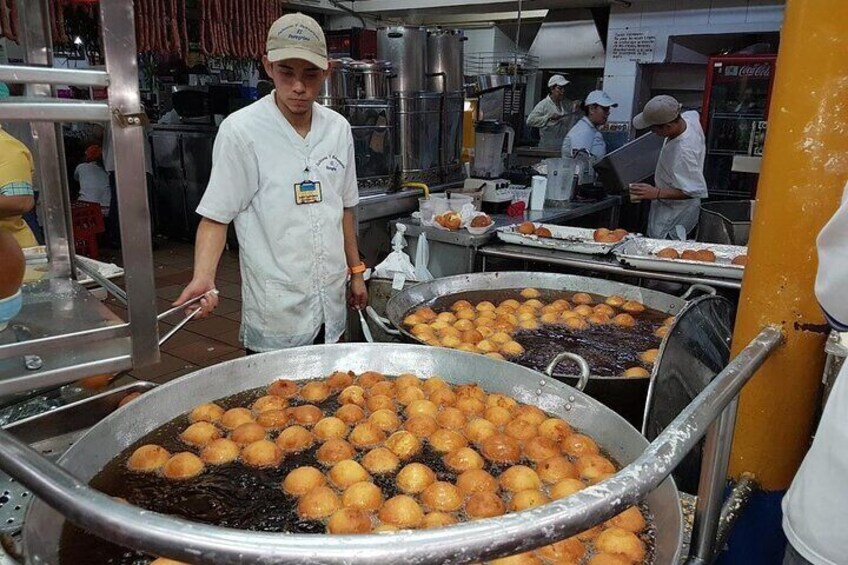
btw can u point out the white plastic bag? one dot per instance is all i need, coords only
(398, 263)
(422, 259)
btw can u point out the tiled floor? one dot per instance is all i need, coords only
(200, 343)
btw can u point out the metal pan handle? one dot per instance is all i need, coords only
(706, 289)
(585, 372)
(383, 323)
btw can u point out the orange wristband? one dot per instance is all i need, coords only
(357, 269)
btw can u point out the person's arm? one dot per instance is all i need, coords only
(539, 116)
(832, 247)
(650, 192)
(358, 290)
(15, 205)
(208, 246)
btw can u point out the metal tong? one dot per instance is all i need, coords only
(188, 318)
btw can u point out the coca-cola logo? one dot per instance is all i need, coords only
(759, 70)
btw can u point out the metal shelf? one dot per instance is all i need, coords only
(22, 109)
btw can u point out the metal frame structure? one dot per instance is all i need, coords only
(67, 332)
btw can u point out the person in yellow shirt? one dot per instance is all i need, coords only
(16, 193)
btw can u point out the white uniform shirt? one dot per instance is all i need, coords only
(680, 166)
(815, 510)
(551, 133)
(584, 135)
(293, 264)
(94, 184)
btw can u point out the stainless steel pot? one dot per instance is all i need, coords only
(406, 48)
(372, 79)
(337, 84)
(445, 58)
(469, 542)
(418, 131)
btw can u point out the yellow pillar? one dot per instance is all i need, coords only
(805, 167)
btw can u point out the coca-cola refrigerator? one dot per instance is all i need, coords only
(734, 117)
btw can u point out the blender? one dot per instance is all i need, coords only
(488, 148)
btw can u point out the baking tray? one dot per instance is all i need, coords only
(563, 238)
(641, 252)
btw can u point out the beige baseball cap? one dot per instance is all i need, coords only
(297, 36)
(659, 110)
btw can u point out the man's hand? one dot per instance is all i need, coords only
(195, 288)
(644, 191)
(556, 117)
(358, 293)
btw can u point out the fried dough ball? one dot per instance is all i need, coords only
(527, 228)
(246, 434)
(484, 322)
(460, 304)
(450, 332)
(421, 426)
(476, 480)
(630, 520)
(183, 466)
(615, 301)
(380, 461)
(740, 260)
(295, 439)
(382, 528)
(385, 419)
(442, 496)
(497, 415)
(421, 408)
(414, 478)
(621, 542)
(334, 450)
(530, 293)
(345, 473)
(521, 430)
(668, 253)
(403, 444)
(470, 406)
(624, 321)
(363, 495)
(608, 559)
(578, 324)
(501, 400)
(497, 356)
(349, 521)
(649, 357)
(689, 255)
(633, 307)
(530, 413)
(479, 429)
(402, 511)
(427, 314)
(443, 396)
(484, 306)
(487, 346)
(518, 478)
(551, 318)
(468, 348)
(706, 256)
(315, 391)
(367, 434)
(504, 326)
(590, 534)
(501, 448)
(302, 480)
(446, 317)
(533, 303)
(329, 428)
(148, 458)
(269, 402)
(306, 415)
(318, 503)
(234, 417)
(543, 232)
(555, 429)
(661, 331)
(463, 459)
(409, 395)
(593, 466)
(636, 372)
(262, 453)
(166, 561)
(340, 380)
(510, 303)
(463, 325)
(556, 469)
(578, 445)
(598, 319)
(569, 550)
(350, 414)
(484, 504)
(433, 384)
(540, 448)
(604, 310)
(527, 499)
(421, 331)
(466, 315)
(526, 314)
(582, 299)
(220, 452)
(584, 310)
(200, 433)
(438, 520)
(413, 320)
(451, 418)
(209, 412)
(472, 336)
(528, 558)
(445, 441)
(528, 324)
(566, 487)
(284, 388)
(354, 394)
(512, 348)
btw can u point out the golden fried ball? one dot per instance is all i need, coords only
(446, 317)
(315, 391)
(637, 372)
(582, 298)
(421, 331)
(385, 419)
(421, 408)
(402, 511)
(234, 417)
(363, 495)
(511, 303)
(413, 320)
(631, 520)
(451, 332)
(528, 324)
(302, 480)
(421, 426)
(605, 310)
(466, 314)
(624, 321)
(479, 429)
(148, 458)
(367, 434)
(487, 346)
(262, 453)
(528, 558)
(533, 303)
(504, 326)
(272, 419)
(340, 379)
(583, 310)
(295, 439)
(530, 413)
(370, 378)
(518, 478)
(470, 406)
(615, 301)
(633, 307)
(540, 448)
(385, 528)
(526, 313)
(432, 384)
(569, 550)
(484, 504)
(598, 319)
(380, 461)
(578, 445)
(220, 452)
(530, 293)
(608, 559)
(484, 322)
(442, 496)
(512, 348)
(501, 448)
(330, 427)
(345, 473)
(556, 429)
(403, 444)
(200, 433)
(476, 480)
(463, 459)
(497, 415)
(460, 304)
(284, 388)
(649, 357)
(551, 318)
(443, 396)
(468, 348)
(354, 394)
(592, 466)
(382, 388)
(550, 309)
(426, 313)
(444, 440)
(590, 534)
(578, 324)
(497, 356)
(246, 434)
(521, 430)
(438, 520)
(206, 413)
(318, 503)
(306, 415)
(472, 337)
(350, 414)
(166, 561)
(451, 418)
(527, 499)
(349, 521)
(566, 487)
(334, 450)
(661, 331)
(621, 542)
(183, 466)
(410, 394)
(463, 324)
(556, 469)
(484, 305)
(502, 401)
(414, 478)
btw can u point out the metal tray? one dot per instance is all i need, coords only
(641, 254)
(563, 238)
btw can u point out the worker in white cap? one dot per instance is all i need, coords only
(553, 115)
(585, 135)
(283, 171)
(679, 183)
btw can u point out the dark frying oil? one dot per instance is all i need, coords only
(609, 350)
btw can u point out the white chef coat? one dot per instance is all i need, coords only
(293, 264)
(94, 184)
(680, 166)
(815, 510)
(584, 135)
(551, 134)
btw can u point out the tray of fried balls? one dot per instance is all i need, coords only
(577, 240)
(356, 454)
(685, 257)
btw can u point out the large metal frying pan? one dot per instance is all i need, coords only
(472, 541)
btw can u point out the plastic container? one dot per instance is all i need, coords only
(442, 204)
(426, 207)
(538, 188)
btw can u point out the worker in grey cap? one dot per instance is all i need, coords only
(679, 183)
(553, 115)
(585, 135)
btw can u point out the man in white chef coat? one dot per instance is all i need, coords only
(283, 171)
(815, 510)
(585, 135)
(679, 175)
(552, 115)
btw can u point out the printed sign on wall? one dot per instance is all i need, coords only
(635, 46)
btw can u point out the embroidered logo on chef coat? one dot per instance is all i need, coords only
(331, 164)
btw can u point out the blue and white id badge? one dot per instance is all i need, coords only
(307, 192)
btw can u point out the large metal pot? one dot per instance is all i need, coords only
(406, 48)
(512, 533)
(445, 58)
(372, 79)
(418, 133)
(337, 85)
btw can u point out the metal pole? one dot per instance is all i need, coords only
(738, 499)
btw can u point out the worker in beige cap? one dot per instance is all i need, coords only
(554, 115)
(679, 183)
(283, 171)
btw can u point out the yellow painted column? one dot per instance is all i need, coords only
(805, 167)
